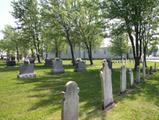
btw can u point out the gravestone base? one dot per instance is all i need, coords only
(108, 107)
(28, 75)
(58, 71)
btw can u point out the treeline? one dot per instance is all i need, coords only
(54, 24)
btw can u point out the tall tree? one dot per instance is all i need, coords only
(27, 14)
(120, 45)
(89, 25)
(132, 14)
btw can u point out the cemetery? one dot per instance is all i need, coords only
(79, 60)
(45, 97)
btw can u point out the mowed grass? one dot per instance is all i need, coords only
(41, 98)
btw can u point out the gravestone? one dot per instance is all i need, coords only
(57, 66)
(70, 101)
(138, 80)
(80, 65)
(106, 80)
(131, 77)
(11, 61)
(26, 71)
(123, 80)
(48, 62)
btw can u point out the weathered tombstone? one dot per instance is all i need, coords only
(106, 78)
(57, 66)
(123, 80)
(131, 77)
(138, 80)
(150, 70)
(70, 101)
(48, 62)
(80, 65)
(26, 71)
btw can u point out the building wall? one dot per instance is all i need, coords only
(98, 53)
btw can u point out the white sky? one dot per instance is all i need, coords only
(5, 15)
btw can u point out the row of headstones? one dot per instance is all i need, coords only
(27, 70)
(71, 98)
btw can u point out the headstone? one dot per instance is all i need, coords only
(138, 80)
(11, 61)
(80, 66)
(26, 71)
(57, 66)
(106, 80)
(70, 101)
(131, 77)
(123, 80)
(48, 62)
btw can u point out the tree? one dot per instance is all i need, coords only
(119, 45)
(27, 14)
(63, 14)
(132, 14)
(89, 25)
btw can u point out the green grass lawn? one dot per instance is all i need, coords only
(40, 98)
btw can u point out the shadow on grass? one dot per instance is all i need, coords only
(90, 90)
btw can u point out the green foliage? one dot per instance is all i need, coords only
(119, 45)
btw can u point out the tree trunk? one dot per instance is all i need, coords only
(145, 52)
(89, 50)
(71, 47)
(137, 62)
(17, 50)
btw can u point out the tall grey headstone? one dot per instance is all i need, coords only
(26, 71)
(123, 79)
(57, 66)
(70, 101)
(138, 80)
(106, 80)
(131, 77)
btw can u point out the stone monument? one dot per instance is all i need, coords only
(57, 66)
(70, 102)
(106, 82)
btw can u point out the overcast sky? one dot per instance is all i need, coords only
(5, 15)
